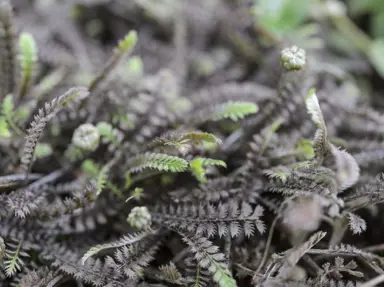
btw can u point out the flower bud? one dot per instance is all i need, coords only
(139, 217)
(293, 58)
(86, 137)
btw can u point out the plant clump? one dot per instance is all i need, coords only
(194, 143)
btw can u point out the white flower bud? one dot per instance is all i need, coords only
(139, 217)
(86, 137)
(303, 214)
(293, 58)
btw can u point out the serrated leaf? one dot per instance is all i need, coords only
(356, 223)
(199, 164)
(157, 161)
(124, 241)
(184, 141)
(13, 263)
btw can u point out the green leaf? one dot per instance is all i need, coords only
(4, 129)
(13, 262)
(128, 42)
(280, 16)
(376, 53)
(90, 168)
(184, 141)
(8, 106)
(128, 180)
(278, 173)
(234, 110)
(158, 161)
(199, 164)
(109, 134)
(306, 149)
(102, 179)
(28, 59)
(43, 150)
(137, 193)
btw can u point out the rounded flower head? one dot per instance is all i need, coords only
(303, 214)
(86, 137)
(139, 217)
(293, 58)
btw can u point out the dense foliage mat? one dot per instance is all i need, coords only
(191, 143)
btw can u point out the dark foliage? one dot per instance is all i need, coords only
(178, 143)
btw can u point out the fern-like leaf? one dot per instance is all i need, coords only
(13, 262)
(41, 120)
(102, 179)
(184, 141)
(208, 257)
(198, 167)
(131, 260)
(125, 240)
(234, 110)
(210, 220)
(171, 274)
(356, 223)
(157, 161)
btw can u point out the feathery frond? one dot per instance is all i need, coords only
(198, 167)
(41, 120)
(157, 161)
(125, 240)
(234, 110)
(208, 257)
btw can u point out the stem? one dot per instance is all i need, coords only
(374, 248)
(270, 235)
(373, 282)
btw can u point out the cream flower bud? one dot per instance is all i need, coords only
(86, 137)
(293, 58)
(303, 214)
(139, 217)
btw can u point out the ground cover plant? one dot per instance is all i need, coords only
(191, 143)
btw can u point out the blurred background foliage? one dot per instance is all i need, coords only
(347, 27)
